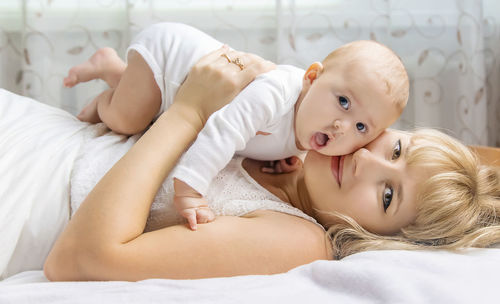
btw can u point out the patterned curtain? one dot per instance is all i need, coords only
(451, 48)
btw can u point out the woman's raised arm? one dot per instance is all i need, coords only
(113, 215)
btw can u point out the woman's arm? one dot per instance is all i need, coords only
(115, 212)
(105, 239)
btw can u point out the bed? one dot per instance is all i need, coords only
(390, 276)
(368, 277)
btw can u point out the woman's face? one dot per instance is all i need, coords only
(374, 185)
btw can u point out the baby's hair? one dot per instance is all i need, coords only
(457, 207)
(382, 61)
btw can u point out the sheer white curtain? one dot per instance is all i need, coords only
(451, 48)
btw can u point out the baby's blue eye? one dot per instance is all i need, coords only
(361, 127)
(344, 102)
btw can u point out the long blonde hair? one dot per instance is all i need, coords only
(458, 207)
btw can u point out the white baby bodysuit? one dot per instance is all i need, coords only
(258, 123)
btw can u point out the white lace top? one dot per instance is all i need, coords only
(231, 192)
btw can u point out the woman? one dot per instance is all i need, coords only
(403, 190)
(105, 239)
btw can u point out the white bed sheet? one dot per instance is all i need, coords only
(368, 277)
(38, 146)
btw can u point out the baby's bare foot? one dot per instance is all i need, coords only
(105, 64)
(89, 113)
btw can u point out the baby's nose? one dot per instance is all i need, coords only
(341, 125)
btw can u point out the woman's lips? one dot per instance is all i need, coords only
(341, 169)
(337, 165)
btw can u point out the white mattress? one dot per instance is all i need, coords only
(368, 277)
(33, 211)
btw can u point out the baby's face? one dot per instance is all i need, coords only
(344, 109)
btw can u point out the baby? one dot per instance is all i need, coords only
(334, 107)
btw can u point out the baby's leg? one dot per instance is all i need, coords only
(163, 52)
(131, 106)
(89, 112)
(105, 64)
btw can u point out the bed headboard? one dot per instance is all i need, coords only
(488, 155)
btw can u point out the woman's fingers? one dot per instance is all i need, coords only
(249, 65)
(213, 56)
(217, 78)
(235, 61)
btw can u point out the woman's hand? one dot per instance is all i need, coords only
(217, 78)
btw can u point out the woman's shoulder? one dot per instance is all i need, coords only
(306, 239)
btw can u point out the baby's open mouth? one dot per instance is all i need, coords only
(319, 140)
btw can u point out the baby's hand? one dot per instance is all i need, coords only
(194, 210)
(286, 165)
(191, 205)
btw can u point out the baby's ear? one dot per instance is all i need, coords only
(313, 72)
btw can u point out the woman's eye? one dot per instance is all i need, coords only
(396, 151)
(361, 127)
(344, 102)
(387, 197)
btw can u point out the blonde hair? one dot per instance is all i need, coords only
(458, 206)
(382, 61)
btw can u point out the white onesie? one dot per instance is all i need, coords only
(265, 105)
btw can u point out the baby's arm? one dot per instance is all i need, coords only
(227, 131)
(191, 205)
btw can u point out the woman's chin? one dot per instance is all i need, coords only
(313, 158)
(313, 154)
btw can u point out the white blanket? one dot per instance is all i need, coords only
(38, 145)
(368, 277)
(33, 211)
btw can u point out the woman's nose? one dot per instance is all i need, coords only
(365, 162)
